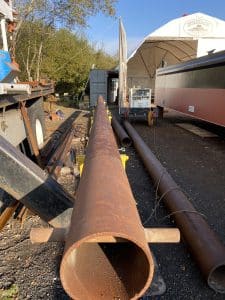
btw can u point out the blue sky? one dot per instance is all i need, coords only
(141, 17)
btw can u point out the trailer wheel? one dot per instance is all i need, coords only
(39, 133)
(36, 116)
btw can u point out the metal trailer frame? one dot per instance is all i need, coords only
(195, 88)
(13, 112)
(7, 100)
(15, 127)
(28, 183)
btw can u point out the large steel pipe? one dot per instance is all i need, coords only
(105, 209)
(204, 244)
(120, 132)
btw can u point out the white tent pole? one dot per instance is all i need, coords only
(122, 66)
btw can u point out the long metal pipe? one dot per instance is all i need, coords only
(56, 162)
(120, 132)
(60, 162)
(203, 242)
(104, 209)
(50, 153)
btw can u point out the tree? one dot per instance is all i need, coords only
(42, 14)
(71, 62)
(63, 13)
(104, 60)
(66, 57)
(70, 65)
(32, 37)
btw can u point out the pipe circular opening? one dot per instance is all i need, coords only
(216, 279)
(106, 270)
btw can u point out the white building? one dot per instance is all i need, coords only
(179, 40)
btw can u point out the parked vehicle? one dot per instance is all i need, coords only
(18, 101)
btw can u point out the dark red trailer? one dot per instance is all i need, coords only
(195, 87)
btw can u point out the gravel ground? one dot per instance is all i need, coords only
(197, 165)
(32, 271)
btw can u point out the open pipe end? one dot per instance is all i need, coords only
(216, 279)
(106, 270)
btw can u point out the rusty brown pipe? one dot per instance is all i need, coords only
(58, 158)
(120, 132)
(8, 212)
(51, 153)
(105, 208)
(203, 242)
(57, 154)
(60, 162)
(56, 163)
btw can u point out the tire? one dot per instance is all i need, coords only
(37, 120)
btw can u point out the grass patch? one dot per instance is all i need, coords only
(9, 294)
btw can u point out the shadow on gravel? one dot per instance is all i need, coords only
(175, 117)
(57, 289)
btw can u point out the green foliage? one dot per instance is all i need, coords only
(63, 12)
(65, 57)
(9, 294)
(42, 51)
(31, 37)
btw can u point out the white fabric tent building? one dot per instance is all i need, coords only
(179, 40)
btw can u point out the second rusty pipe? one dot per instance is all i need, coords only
(203, 242)
(56, 162)
(104, 209)
(59, 164)
(120, 132)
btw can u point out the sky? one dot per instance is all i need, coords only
(141, 17)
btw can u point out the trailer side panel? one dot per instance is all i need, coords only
(196, 88)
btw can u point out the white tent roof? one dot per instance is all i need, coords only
(179, 40)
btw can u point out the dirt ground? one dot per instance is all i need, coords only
(198, 166)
